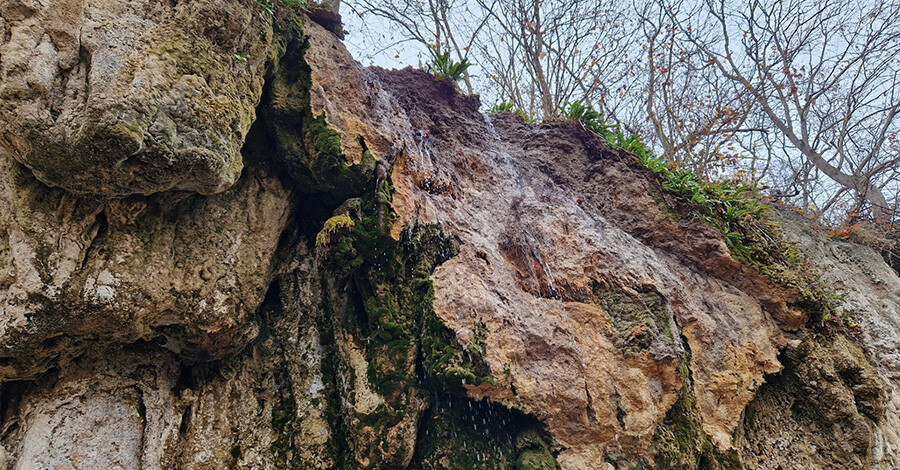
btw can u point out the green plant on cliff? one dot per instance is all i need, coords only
(443, 67)
(588, 116)
(311, 152)
(611, 134)
(269, 6)
(752, 237)
(730, 207)
(333, 226)
(726, 206)
(505, 106)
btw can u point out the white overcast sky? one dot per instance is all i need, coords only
(366, 41)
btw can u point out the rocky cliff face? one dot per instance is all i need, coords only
(224, 244)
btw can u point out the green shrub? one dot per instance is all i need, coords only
(727, 206)
(445, 68)
(269, 6)
(505, 106)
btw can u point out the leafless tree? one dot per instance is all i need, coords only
(444, 25)
(688, 111)
(535, 54)
(826, 75)
(542, 54)
(798, 95)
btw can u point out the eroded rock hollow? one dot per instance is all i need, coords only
(225, 244)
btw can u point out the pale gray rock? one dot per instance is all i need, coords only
(869, 297)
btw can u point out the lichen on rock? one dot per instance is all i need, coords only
(121, 98)
(384, 277)
(185, 270)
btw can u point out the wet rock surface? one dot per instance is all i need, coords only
(584, 322)
(384, 277)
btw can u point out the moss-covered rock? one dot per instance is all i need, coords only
(639, 318)
(535, 460)
(822, 410)
(310, 150)
(459, 434)
(382, 299)
(680, 441)
(150, 97)
(534, 453)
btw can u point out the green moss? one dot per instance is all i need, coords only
(284, 421)
(637, 318)
(326, 144)
(275, 354)
(535, 460)
(333, 226)
(392, 280)
(680, 441)
(310, 150)
(333, 390)
(386, 303)
(534, 453)
(397, 297)
(411, 355)
(460, 434)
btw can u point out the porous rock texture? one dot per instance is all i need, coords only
(224, 244)
(848, 380)
(117, 98)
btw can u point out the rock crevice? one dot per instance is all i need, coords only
(225, 244)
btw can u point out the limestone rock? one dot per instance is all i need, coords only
(579, 292)
(545, 275)
(487, 293)
(184, 270)
(870, 301)
(110, 412)
(141, 407)
(584, 319)
(120, 98)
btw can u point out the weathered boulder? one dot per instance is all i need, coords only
(580, 321)
(577, 288)
(855, 385)
(141, 406)
(110, 409)
(117, 98)
(80, 272)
